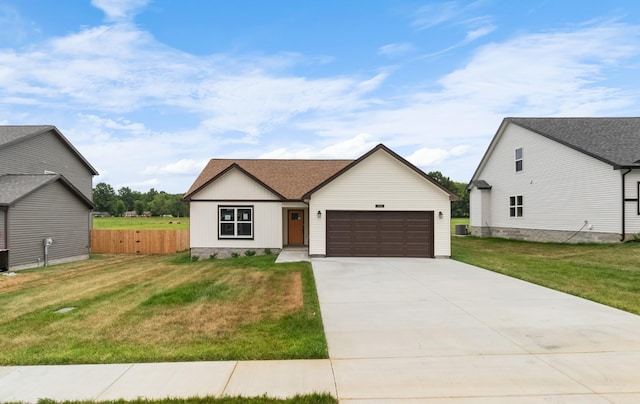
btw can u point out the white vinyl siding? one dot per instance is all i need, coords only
(562, 187)
(380, 179)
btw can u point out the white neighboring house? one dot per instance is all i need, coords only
(559, 179)
(377, 205)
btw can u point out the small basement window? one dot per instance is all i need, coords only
(519, 159)
(515, 206)
(235, 222)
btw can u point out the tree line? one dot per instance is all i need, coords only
(459, 208)
(161, 203)
(126, 200)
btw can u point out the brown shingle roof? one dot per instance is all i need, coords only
(291, 179)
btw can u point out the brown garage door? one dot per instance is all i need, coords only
(379, 234)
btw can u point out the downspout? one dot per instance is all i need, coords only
(622, 236)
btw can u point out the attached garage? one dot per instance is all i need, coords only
(380, 233)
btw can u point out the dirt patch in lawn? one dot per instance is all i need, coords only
(263, 295)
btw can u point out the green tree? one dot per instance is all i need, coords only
(442, 180)
(139, 206)
(104, 197)
(118, 208)
(459, 208)
(129, 197)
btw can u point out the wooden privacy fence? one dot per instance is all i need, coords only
(139, 241)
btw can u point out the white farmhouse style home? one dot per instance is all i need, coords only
(377, 205)
(559, 179)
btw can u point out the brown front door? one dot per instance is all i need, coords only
(296, 227)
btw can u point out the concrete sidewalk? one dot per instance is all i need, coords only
(279, 379)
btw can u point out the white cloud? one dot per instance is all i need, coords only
(396, 49)
(119, 10)
(349, 148)
(548, 74)
(451, 12)
(426, 157)
(184, 166)
(434, 14)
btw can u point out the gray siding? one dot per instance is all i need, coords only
(52, 211)
(46, 152)
(3, 228)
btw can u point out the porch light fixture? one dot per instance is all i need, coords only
(440, 214)
(319, 214)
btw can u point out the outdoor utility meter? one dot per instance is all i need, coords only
(47, 242)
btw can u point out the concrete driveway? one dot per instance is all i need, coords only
(439, 331)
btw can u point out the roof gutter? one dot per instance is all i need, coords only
(622, 236)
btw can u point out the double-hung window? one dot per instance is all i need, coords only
(515, 206)
(519, 159)
(235, 222)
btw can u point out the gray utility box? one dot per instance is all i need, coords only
(461, 230)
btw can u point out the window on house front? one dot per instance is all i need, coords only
(235, 222)
(515, 206)
(519, 159)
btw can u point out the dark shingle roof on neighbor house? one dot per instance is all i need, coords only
(615, 141)
(17, 186)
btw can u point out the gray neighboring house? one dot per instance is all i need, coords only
(559, 179)
(45, 193)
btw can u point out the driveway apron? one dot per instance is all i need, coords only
(442, 331)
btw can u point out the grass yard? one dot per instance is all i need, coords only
(141, 223)
(160, 308)
(306, 399)
(605, 273)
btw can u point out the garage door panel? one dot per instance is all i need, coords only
(380, 234)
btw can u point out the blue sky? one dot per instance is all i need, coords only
(150, 90)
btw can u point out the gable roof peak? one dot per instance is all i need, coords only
(11, 134)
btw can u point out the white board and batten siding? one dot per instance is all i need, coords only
(235, 188)
(380, 179)
(561, 187)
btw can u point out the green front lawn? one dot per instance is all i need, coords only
(160, 308)
(605, 273)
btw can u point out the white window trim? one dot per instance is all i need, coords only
(521, 159)
(236, 220)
